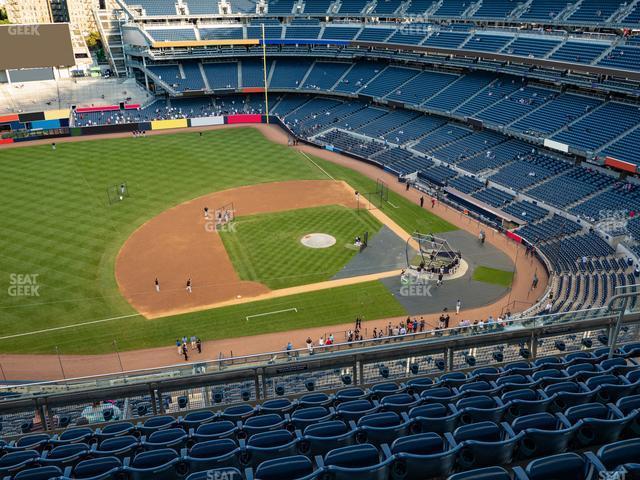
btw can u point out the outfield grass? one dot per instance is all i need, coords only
(410, 216)
(266, 248)
(368, 300)
(493, 276)
(56, 223)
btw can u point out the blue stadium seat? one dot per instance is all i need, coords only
(614, 455)
(154, 424)
(357, 462)
(288, 468)
(65, 455)
(226, 473)
(382, 427)
(310, 415)
(597, 423)
(544, 434)
(488, 473)
(316, 400)
(263, 423)
(13, 462)
(480, 408)
(436, 417)
(74, 435)
(212, 454)
(160, 464)
(524, 402)
(95, 469)
(320, 438)
(215, 430)
(268, 445)
(36, 441)
(484, 444)
(419, 385)
(608, 388)
(278, 406)
(421, 456)
(195, 419)
(566, 466)
(174, 438)
(120, 447)
(239, 412)
(39, 473)
(402, 402)
(115, 430)
(567, 394)
(355, 409)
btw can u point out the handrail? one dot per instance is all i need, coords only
(621, 314)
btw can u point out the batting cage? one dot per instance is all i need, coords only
(377, 197)
(224, 215)
(117, 192)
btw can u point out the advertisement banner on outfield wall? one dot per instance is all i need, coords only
(244, 118)
(206, 121)
(166, 124)
(561, 147)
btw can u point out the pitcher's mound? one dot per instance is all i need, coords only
(318, 240)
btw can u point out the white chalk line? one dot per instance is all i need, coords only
(271, 313)
(321, 169)
(65, 327)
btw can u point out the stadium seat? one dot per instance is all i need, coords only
(115, 430)
(120, 447)
(65, 455)
(261, 423)
(160, 464)
(525, 402)
(484, 444)
(310, 415)
(279, 406)
(608, 388)
(320, 438)
(613, 456)
(356, 462)
(216, 430)
(419, 385)
(382, 427)
(240, 412)
(435, 417)
(288, 468)
(597, 423)
(567, 394)
(154, 424)
(421, 456)
(544, 434)
(212, 454)
(401, 402)
(488, 473)
(565, 466)
(13, 462)
(174, 438)
(74, 435)
(195, 419)
(227, 473)
(381, 390)
(316, 400)
(39, 473)
(355, 409)
(268, 445)
(480, 408)
(95, 469)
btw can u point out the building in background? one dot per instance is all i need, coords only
(79, 13)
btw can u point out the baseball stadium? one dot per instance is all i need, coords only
(319, 239)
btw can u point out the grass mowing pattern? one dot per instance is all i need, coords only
(266, 248)
(56, 223)
(335, 306)
(493, 276)
(408, 215)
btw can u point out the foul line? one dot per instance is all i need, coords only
(394, 206)
(321, 169)
(271, 313)
(35, 332)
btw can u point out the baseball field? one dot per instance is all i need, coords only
(61, 240)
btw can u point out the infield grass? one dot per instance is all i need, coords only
(56, 223)
(493, 276)
(266, 248)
